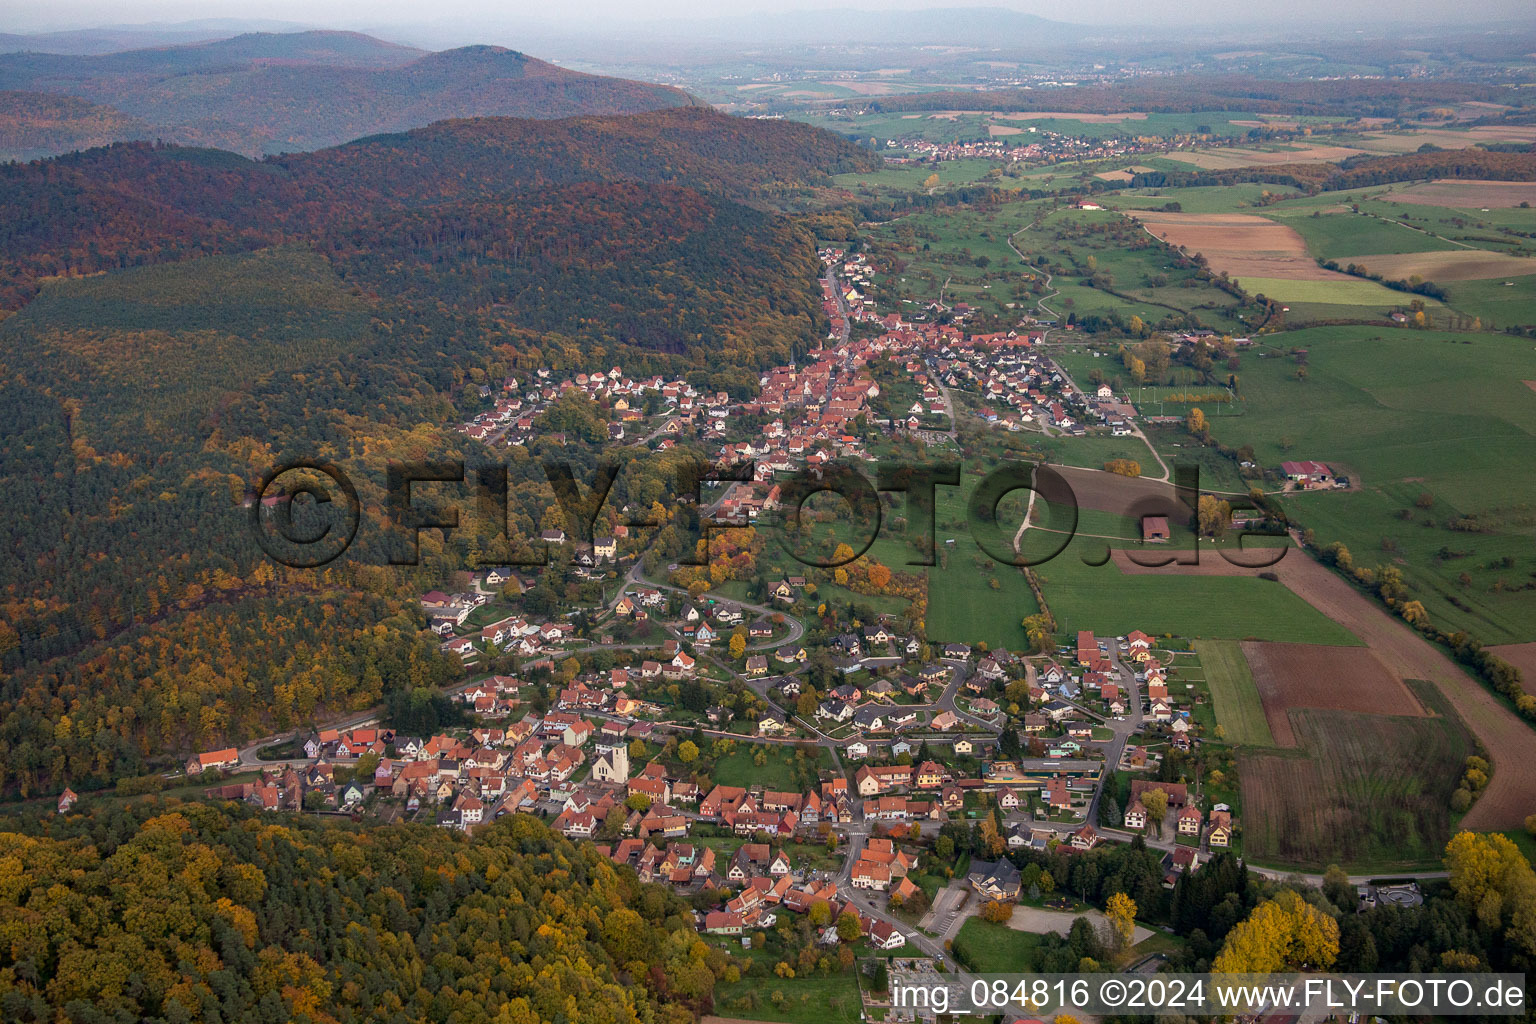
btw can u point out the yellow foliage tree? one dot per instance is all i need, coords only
(1121, 911)
(1283, 933)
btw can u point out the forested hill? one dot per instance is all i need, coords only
(211, 316)
(270, 93)
(128, 204)
(183, 912)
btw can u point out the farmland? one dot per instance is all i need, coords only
(1294, 676)
(1243, 245)
(1470, 195)
(1469, 451)
(1238, 707)
(1502, 736)
(1371, 792)
(1452, 265)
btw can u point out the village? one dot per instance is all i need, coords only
(644, 724)
(881, 781)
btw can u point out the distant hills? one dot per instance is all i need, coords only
(262, 93)
(112, 38)
(134, 203)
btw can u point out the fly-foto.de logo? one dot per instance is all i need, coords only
(307, 513)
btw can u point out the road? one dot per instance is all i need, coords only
(857, 836)
(1122, 730)
(830, 276)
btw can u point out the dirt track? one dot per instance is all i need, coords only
(1508, 740)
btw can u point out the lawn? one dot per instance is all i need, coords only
(988, 948)
(783, 770)
(1238, 709)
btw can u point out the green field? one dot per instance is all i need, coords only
(1101, 598)
(1501, 301)
(962, 605)
(1411, 413)
(1338, 236)
(989, 948)
(1356, 292)
(1238, 709)
(1203, 199)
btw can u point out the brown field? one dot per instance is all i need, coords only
(1468, 194)
(1242, 244)
(1123, 495)
(1040, 115)
(1522, 656)
(1357, 793)
(1313, 676)
(1508, 740)
(1530, 384)
(1454, 265)
(1228, 157)
(1124, 174)
(1002, 129)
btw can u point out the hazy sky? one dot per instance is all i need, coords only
(21, 15)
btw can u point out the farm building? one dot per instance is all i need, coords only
(1307, 472)
(1155, 530)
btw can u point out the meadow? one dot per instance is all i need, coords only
(1084, 595)
(1238, 708)
(1339, 236)
(1355, 298)
(1467, 451)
